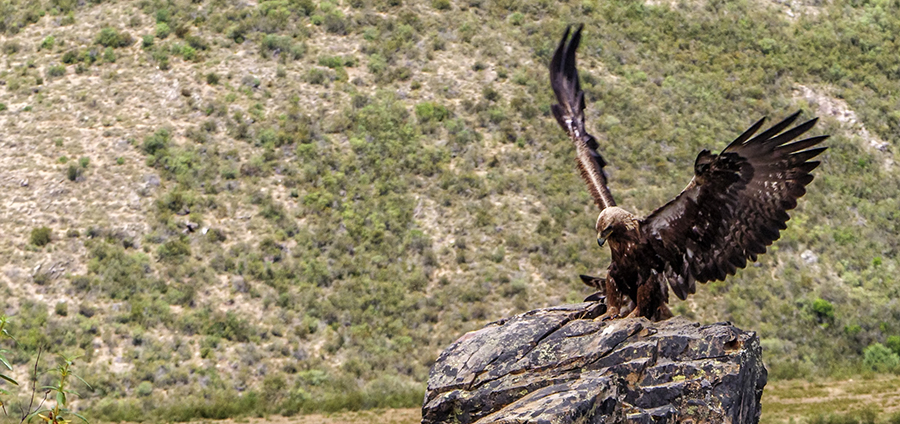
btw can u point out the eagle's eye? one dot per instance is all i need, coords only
(606, 232)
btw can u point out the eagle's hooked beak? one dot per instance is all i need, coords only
(603, 235)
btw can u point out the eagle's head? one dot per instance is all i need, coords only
(615, 224)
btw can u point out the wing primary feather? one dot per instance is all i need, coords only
(807, 167)
(777, 128)
(802, 144)
(737, 203)
(792, 133)
(747, 134)
(569, 113)
(802, 180)
(569, 65)
(556, 69)
(805, 155)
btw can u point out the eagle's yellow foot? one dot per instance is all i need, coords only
(610, 314)
(636, 312)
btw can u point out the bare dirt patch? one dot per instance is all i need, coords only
(835, 108)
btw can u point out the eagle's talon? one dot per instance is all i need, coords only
(610, 314)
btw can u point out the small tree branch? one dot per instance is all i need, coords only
(27, 412)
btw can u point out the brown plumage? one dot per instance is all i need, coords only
(733, 208)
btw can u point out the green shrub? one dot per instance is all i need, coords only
(162, 30)
(41, 278)
(490, 94)
(331, 61)
(516, 19)
(109, 56)
(316, 76)
(429, 111)
(188, 53)
(11, 47)
(156, 143)
(894, 418)
(74, 172)
(212, 78)
(162, 15)
(109, 37)
(335, 22)
(176, 250)
(182, 30)
(56, 71)
(144, 389)
(283, 46)
(440, 4)
(40, 236)
(146, 41)
(893, 343)
(70, 57)
(48, 43)
(879, 358)
(823, 309)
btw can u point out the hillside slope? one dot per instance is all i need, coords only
(299, 204)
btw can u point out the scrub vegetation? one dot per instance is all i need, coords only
(292, 206)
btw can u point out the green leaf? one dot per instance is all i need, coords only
(6, 333)
(85, 382)
(34, 414)
(9, 379)
(60, 398)
(5, 362)
(79, 416)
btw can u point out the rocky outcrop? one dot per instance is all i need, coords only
(560, 365)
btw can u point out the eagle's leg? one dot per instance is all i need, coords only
(644, 303)
(613, 300)
(651, 303)
(663, 313)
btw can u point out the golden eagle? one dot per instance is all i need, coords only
(733, 208)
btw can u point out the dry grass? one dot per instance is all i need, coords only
(798, 400)
(380, 416)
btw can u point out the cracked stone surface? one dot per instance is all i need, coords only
(561, 365)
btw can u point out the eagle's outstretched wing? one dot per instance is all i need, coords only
(570, 115)
(735, 205)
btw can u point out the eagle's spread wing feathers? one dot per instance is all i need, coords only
(570, 115)
(734, 207)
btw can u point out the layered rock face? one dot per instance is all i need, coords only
(560, 365)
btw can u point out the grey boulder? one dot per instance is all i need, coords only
(561, 365)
